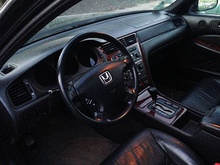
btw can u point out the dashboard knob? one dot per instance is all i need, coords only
(137, 55)
(140, 66)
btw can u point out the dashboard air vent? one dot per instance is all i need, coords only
(177, 22)
(109, 48)
(129, 40)
(7, 69)
(19, 94)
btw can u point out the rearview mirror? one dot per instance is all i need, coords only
(206, 4)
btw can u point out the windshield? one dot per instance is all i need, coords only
(88, 11)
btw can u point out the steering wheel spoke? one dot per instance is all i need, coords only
(71, 91)
(129, 98)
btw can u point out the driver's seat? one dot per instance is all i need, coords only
(153, 147)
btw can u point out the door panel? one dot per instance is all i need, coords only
(203, 24)
(199, 56)
(184, 63)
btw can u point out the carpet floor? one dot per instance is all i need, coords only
(67, 140)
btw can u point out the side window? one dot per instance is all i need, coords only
(163, 4)
(2, 2)
(207, 7)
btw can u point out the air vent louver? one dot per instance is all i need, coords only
(7, 69)
(19, 94)
(110, 48)
(129, 40)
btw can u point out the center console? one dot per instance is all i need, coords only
(148, 101)
(159, 107)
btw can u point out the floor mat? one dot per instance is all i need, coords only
(67, 140)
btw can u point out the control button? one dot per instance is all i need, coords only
(120, 55)
(137, 54)
(128, 79)
(140, 66)
(168, 103)
(175, 106)
(132, 49)
(116, 57)
(90, 103)
(100, 55)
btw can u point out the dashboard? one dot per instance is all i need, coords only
(30, 76)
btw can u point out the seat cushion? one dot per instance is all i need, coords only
(204, 96)
(154, 148)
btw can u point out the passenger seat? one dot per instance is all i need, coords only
(204, 96)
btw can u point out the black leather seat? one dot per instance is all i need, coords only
(153, 147)
(204, 96)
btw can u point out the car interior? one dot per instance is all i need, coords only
(140, 87)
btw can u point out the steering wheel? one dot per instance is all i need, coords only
(105, 93)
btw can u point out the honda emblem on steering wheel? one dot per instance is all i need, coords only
(105, 77)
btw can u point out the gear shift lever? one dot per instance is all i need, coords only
(159, 106)
(153, 93)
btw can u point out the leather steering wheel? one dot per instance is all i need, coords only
(105, 93)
